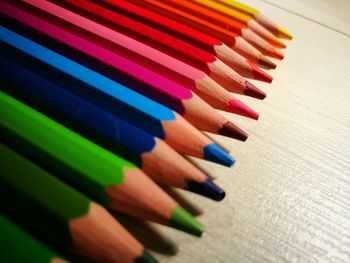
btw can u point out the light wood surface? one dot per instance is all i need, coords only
(288, 196)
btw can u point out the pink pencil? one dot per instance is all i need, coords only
(180, 72)
(153, 84)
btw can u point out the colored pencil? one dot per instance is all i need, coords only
(152, 155)
(186, 75)
(106, 177)
(259, 17)
(176, 50)
(140, 111)
(243, 19)
(61, 214)
(17, 245)
(151, 84)
(176, 47)
(198, 38)
(190, 18)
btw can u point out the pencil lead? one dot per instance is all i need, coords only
(253, 91)
(183, 220)
(259, 74)
(282, 33)
(207, 188)
(233, 131)
(146, 257)
(238, 107)
(214, 153)
(266, 63)
(277, 43)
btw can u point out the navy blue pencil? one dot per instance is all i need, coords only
(116, 98)
(152, 155)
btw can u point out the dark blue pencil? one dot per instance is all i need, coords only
(152, 155)
(127, 104)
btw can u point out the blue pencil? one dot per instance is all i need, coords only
(152, 155)
(127, 104)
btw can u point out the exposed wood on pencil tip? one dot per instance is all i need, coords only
(266, 63)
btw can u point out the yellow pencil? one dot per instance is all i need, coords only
(258, 16)
(223, 8)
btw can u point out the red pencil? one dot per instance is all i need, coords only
(186, 75)
(144, 80)
(202, 40)
(180, 12)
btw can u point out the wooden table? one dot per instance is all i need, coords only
(288, 196)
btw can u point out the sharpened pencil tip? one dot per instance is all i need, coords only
(277, 54)
(214, 153)
(183, 220)
(253, 91)
(277, 43)
(266, 63)
(259, 74)
(238, 107)
(146, 257)
(282, 33)
(207, 188)
(233, 131)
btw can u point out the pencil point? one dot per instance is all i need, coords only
(277, 43)
(146, 257)
(282, 33)
(259, 74)
(214, 153)
(207, 188)
(253, 91)
(277, 54)
(266, 63)
(183, 220)
(233, 131)
(238, 107)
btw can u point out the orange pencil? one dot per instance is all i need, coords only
(187, 13)
(231, 39)
(227, 7)
(203, 11)
(191, 36)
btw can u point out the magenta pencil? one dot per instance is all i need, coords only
(154, 85)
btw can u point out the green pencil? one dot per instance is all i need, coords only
(17, 245)
(105, 177)
(61, 214)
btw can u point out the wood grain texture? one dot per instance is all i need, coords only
(288, 197)
(334, 14)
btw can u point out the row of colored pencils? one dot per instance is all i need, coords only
(102, 101)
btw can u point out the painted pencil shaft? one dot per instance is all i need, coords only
(190, 35)
(117, 99)
(229, 38)
(244, 19)
(152, 155)
(258, 16)
(159, 88)
(62, 215)
(215, 20)
(107, 178)
(17, 245)
(174, 69)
